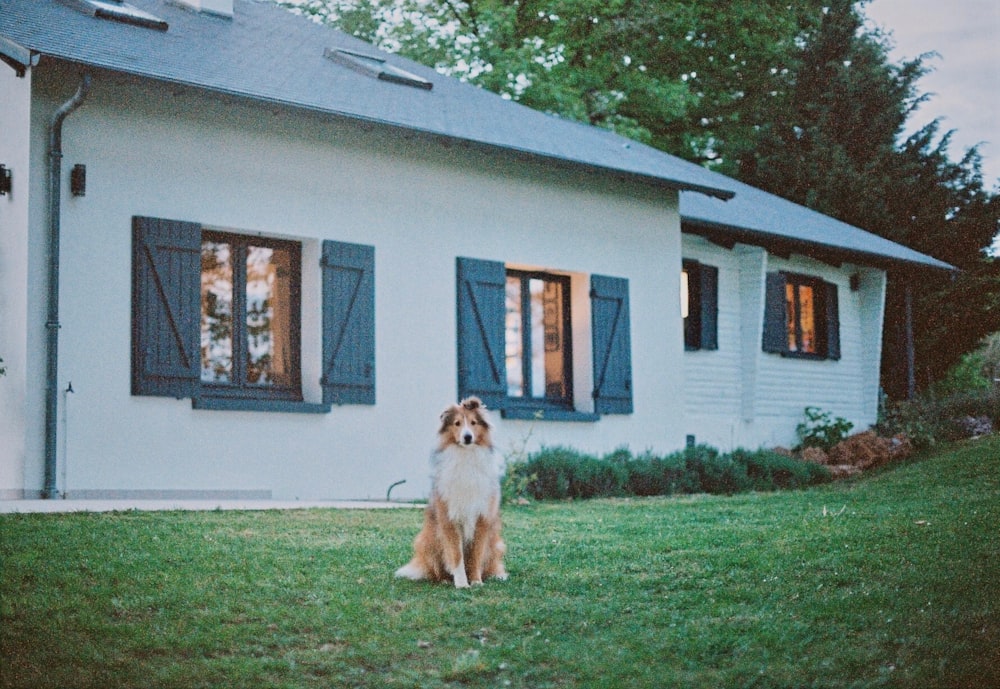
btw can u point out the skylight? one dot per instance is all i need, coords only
(118, 11)
(376, 67)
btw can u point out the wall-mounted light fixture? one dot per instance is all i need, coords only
(855, 282)
(6, 180)
(78, 180)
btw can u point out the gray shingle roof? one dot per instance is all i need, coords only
(267, 54)
(754, 216)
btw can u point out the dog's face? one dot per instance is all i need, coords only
(465, 424)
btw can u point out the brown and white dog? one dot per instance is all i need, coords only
(460, 539)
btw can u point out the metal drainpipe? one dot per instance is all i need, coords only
(52, 323)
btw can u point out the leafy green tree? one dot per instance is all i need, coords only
(832, 146)
(796, 97)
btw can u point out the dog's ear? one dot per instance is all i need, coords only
(447, 416)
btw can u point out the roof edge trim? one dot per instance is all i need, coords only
(821, 252)
(17, 56)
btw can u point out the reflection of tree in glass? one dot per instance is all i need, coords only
(216, 312)
(260, 313)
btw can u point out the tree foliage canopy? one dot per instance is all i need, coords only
(796, 97)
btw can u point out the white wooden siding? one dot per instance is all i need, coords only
(775, 390)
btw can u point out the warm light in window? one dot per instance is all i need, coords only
(801, 318)
(685, 305)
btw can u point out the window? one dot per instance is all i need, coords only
(515, 344)
(216, 316)
(700, 305)
(249, 317)
(537, 337)
(801, 317)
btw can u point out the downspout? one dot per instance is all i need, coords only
(52, 322)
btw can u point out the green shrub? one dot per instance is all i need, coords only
(928, 419)
(967, 376)
(560, 473)
(821, 429)
(772, 471)
(565, 473)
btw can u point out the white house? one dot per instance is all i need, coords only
(242, 255)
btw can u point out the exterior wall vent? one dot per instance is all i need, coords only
(118, 11)
(376, 67)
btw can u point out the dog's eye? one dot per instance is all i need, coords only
(473, 422)
(458, 423)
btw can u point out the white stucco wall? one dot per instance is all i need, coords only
(15, 343)
(741, 396)
(178, 154)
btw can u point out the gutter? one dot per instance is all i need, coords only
(52, 322)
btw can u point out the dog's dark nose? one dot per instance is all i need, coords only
(467, 438)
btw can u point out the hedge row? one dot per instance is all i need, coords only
(560, 473)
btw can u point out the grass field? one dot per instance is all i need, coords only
(891, 580)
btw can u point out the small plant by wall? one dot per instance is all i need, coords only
(821, 429)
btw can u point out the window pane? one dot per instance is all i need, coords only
(548, 355)
(807, 320)
(793, 316)
(269, 316)
(216, 312)
(514, 339)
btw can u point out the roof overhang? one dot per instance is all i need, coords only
(728, 236)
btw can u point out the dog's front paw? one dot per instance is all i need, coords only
(461, 580)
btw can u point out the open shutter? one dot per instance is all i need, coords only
(708, 281)
(775, 315)
(348, 323)
(611, 345)
(166, 307)
(832, 313)
(482, 370)
(692, 324)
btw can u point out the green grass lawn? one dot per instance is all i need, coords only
(891, 580)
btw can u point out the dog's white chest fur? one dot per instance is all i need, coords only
(468, 480)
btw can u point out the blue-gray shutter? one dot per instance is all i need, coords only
(692, 324)
(775, 314)
(482, 369)
(832, 308)
(708, 305)
(612, 347)
(348, 323)
(166, 307)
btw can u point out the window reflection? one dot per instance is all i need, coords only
(249, 312)
(216, 312)
(537, 345)
(514, 339)
(268, 322)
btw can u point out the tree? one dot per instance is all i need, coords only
(833, 146)
(795, 97)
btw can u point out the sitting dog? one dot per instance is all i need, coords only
(460, 539)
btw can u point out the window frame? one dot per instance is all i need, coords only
(826, 316)
(240, 388)
(481, 347)
(701, 326)
(526, 401)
